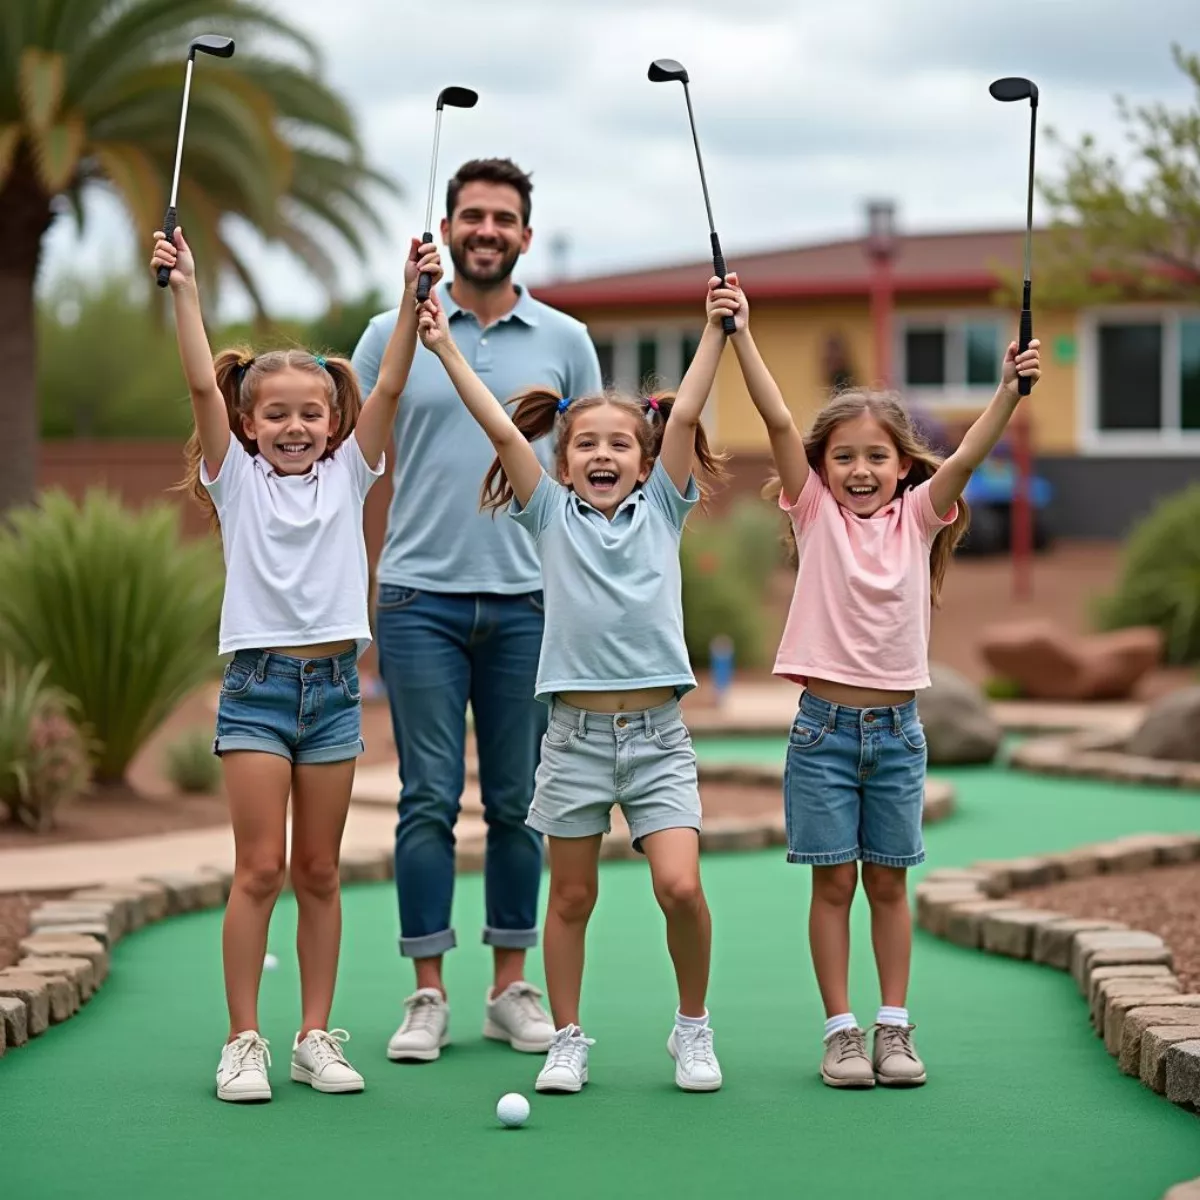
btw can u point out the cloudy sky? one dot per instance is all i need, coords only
(804, 111)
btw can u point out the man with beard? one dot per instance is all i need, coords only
(459, 613)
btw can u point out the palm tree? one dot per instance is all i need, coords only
(90, 93)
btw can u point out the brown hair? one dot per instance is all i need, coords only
(537, 413)
(889, 411)
(491, 170)
(239, 377)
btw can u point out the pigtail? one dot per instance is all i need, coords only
(534, 416)
(712, 464)
(347, 398)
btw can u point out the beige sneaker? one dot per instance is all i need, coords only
(846, 1064)
(895, 1058)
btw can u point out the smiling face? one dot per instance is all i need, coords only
(603, 459)
(291, 421)
(486, 232)
(862, 466)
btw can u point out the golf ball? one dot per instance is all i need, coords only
(270, 962)
(512, 1110)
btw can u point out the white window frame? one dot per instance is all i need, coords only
(1169, 439)
(953, 321)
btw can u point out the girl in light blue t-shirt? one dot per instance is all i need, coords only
(613, 663)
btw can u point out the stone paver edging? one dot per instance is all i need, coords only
(66, 956)
(1100, 754)
(1135, 1002)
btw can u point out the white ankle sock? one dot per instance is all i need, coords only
(837, 1024)
(892, 1016)
(699, 1022)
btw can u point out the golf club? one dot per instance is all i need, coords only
(456, 97)
(206, 43)
(667, 70)
(1013, 87)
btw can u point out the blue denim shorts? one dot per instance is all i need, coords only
(307, 710)
(590, 761)
(854, 784)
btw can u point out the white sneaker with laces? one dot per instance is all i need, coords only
(517, 1017)
(242, 1073)
(318, 1060)
(425, 1028)
(696, 1066)
(566, 1068)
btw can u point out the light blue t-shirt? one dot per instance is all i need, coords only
(437, 539)
(614, 605)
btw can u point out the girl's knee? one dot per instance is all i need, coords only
(317, 877)
(572, 900)
(260, 876)
(885, 885)
(835, 885)
(679, 893)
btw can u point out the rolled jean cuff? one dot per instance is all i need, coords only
(432, 945)
(510, 939)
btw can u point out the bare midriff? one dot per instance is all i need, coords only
(319, 650)
(856, 697)
(616, 702)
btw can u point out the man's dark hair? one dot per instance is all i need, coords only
(491, 170)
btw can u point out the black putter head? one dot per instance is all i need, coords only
(211, 43)
(457, 97)
(1014, 87)
(667, 70)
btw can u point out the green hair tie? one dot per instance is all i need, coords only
(320, 358)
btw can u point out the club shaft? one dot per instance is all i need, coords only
(187, 91)
(437, 133)
(1029, 200)
(699, 160)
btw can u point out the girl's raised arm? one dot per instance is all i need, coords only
(516, 455)
(208, 405)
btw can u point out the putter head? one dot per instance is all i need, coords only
(1014, 87)
(211, 43)
(457, 97)
(667, 70)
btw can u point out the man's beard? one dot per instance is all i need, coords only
(494, 278)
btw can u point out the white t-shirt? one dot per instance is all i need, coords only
(295, 554)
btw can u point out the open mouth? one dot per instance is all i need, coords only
(293, 450)
(862, 491)
(602, 481)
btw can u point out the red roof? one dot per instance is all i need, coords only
(922, 263)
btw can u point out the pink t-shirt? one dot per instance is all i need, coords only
(860, 612)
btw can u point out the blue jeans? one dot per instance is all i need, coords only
(437, 652)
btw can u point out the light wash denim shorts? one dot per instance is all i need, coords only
(307, 710)
(854, 784)
(642, 761)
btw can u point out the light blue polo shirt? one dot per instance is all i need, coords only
(437, 539)
(614, 606)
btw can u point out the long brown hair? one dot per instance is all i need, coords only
(889, 411)
(538, 413)
(239, 377)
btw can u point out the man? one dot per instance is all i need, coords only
(459, 615)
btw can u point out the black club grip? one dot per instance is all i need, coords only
(1024, 383)
(424, 280)
(727, 323)
(164, 273)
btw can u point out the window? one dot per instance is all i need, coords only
(605, 353)
(647, 360)
(1189, 373)
(1130, 375)
(952, 355)
(690, 344)
(636, 358)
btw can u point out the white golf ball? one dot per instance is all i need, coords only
(512, 1110)
(270, 962)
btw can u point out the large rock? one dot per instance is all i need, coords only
(959, 726)
(1048, 663)
(1171, 728)
(14, 1016)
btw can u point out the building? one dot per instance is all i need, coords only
(1115, 421)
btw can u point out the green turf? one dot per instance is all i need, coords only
(1022, 1099)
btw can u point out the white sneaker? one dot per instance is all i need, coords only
(319, 1062)
(696, 1066)
(424, 1031)
(517, 1017)
(242, 1073)
(566, 1067)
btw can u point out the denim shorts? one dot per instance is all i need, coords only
(854, 784)
(642, 761)
(307, 710)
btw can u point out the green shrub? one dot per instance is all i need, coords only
(999, 688)
(120, 607)
(752, 533)
(718, 598)
(44, 758)
(191, 765)
(1159, 581)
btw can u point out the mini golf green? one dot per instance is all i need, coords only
(1022, 1099)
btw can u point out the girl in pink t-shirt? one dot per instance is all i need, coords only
(876, 516)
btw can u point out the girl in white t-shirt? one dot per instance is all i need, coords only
(283, 456)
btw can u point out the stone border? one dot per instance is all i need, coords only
(1100, 754)
(66, 956)
(1134, 999)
